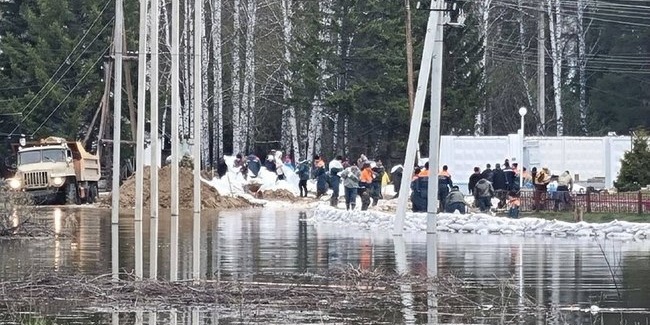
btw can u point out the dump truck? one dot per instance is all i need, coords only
(54, 169)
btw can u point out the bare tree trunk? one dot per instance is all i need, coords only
(522, 50)
(248, 92)
(186, 72)
(410, 74)
(555, 29)
(582, 65)
(205, 112)
(217, 69)
(289, 122)
(484, 12)
(237, 127)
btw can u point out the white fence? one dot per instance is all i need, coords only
(583, 157)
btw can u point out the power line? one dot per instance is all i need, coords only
(73, 88)
(61, 77)
(69, 55)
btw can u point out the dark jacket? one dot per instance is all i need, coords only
(473, 180)
(420, 186)
(303, 170)
(483, 189)
(510, 177)
(455, 196)
(499, 180)
(488, 174)
(321, 179)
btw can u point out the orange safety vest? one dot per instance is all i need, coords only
(366, 176)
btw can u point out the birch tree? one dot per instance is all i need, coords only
(237, 127)
(205, 113)
(217, 72)
(582, 64)
(523, 49)
(248, 94)
(186, 71)
(555, 22)
(484, 8)
(314, 142)
(289, 135)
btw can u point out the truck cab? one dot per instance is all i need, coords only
(54, 169)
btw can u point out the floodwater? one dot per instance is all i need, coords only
(562, 275)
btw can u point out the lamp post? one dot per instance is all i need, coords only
(522, 113)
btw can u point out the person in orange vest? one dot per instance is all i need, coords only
(365, 182)
(420, 187)
(444, 185)
(513, 204)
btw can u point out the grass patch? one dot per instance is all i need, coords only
(594, 217)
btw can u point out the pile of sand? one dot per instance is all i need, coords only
(210, 198)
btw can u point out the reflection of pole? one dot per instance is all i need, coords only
(406, 291)
(520, 262)
(432, 274)
(416, 118)
(540, 286)
(434, 131)
(115, 318)
(196, 152)
(117, 123)
(153, 134)
(175, 56)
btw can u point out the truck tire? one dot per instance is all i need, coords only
(71, 196)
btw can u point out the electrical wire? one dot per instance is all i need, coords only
(69, 55)
(62, 75)
(90, 69)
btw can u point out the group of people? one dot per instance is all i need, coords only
(362, 178)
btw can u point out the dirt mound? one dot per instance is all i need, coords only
(281, 194)
(210, 198)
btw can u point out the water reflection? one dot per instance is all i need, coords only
(256, 244)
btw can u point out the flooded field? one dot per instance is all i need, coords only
(571, 281)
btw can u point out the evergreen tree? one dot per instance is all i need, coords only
(635, 166)
(50, 61)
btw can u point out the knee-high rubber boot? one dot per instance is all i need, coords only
(365, 201)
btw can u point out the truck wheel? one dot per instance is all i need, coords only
(71, 196)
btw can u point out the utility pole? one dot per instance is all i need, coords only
(541, 63)
(117, 130)
(196, 148)
(175, 56)
(418, 112)
(139, 156)
(409, 56)
(153, 134)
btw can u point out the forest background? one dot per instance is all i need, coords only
(329, 76)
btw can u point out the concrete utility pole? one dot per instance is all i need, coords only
(196, 148)
(541, 78)
(416, 117)
(153, 134)
(117, 130)
(434, 131)
(139, 155)
(175, 56)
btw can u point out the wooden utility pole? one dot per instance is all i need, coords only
(541, 63)
(129, 91)
(409, 56)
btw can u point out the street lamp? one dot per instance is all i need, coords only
(522, 113)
